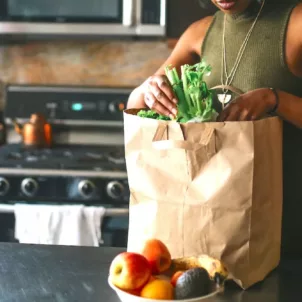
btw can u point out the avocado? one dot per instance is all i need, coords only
(192, 284)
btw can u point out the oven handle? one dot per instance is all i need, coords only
(163, 12)
(116, 212)
(110, 212)
(128, 12)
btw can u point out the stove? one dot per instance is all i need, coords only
(64, 157)
(86, 163)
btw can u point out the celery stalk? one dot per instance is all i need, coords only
(185, 85)
(176, 84)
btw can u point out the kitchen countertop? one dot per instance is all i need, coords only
(34, 273)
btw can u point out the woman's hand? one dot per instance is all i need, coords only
(159, 96)
(249, 106)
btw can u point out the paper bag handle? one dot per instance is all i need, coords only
(168, 144)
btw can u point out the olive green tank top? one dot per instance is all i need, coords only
(264, 65)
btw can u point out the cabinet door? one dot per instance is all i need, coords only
(182, 13)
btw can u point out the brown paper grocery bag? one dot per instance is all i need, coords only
(208, 188)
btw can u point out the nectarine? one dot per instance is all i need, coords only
(158, 255)
(175, 277)
(129, 271)
(158, 290)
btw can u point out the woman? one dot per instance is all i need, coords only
(254, 46)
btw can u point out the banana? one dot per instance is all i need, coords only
(216, 269)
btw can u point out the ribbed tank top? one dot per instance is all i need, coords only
(264, 65)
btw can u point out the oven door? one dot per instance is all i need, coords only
(115, 230)
(67, 17)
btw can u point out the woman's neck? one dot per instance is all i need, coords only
(249, 12)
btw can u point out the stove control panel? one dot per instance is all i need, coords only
(64, 189)
(70, 106)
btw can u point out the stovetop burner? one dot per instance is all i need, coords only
(69, 157)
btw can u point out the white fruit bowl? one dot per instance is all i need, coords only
(126, 297)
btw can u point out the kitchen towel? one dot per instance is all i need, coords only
(74, 225)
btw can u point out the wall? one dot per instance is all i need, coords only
(102, 63)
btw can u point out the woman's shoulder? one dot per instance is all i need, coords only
(295, 25)
(191, 40)
(196, 32)
(297, 13)
(294, 41)
(201, 25)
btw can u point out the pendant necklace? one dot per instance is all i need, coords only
(225, 97)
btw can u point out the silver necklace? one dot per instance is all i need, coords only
(226, 98)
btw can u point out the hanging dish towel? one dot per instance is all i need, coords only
(76, 225)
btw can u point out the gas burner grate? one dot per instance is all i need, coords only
(71, 157)
(116, 157)
(96, 156)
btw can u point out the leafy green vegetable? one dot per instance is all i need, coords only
(177, 86)
(152, 114)
(195, 100)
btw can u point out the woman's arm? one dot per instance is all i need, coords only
(290, 107)
(257, 103)
(155, 93)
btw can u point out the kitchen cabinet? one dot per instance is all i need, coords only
(182, 13)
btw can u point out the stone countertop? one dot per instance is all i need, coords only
(35, 273)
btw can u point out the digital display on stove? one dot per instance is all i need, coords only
(77, 107)
(80, 106)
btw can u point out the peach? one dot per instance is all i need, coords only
(158, 290)
(129, 271)
(158, 255)
(175, 277)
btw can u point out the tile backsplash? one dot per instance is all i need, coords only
(102, 63)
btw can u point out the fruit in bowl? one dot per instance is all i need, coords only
(192, 284)
(151, 275)
(158, 289)
(129, 271)
(158, 255)
(126, 297)
(216, 269)
(175, 277)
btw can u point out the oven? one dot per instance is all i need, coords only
(85, 163)
(77, 17)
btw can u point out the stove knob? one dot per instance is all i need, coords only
(86, 188)
(29, 187)
(4, 186)
(115, 189)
